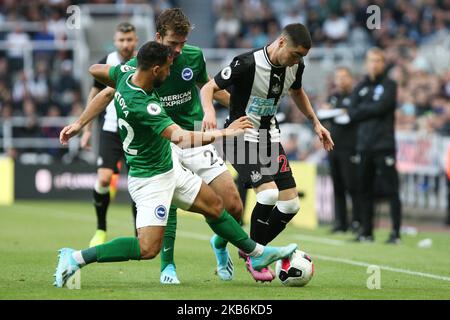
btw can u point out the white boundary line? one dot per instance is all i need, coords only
(317, 239)
(192, 235)
(387, 268)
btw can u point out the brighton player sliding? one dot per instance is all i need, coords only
(156, 178)
(180, 99)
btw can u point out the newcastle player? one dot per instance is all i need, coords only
(258, 80)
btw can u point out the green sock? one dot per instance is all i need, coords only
(226, 227)
(118, 249)
(169, 239)
(221, 243)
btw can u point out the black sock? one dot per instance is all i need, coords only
(259, 225)
(134, 211)
(101, 203)
(277, 222)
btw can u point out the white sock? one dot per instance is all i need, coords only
(78, 257)
(258, 251)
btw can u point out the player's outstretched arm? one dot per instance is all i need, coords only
(190, 139)
(304, 105)
(101, 73)
(206, 95)
(93, 109)
(222, 96)
(106, 95)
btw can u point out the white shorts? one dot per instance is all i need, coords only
(153, 196)
(204, 161)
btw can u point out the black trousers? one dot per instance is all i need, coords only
(379, 165)
(344, 173)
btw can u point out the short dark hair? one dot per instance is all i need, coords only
(173, 19)
(298, 34)
(377, 51)
(125, 27)
(344, 68)
(152, 54)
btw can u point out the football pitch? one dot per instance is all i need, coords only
(33, 231)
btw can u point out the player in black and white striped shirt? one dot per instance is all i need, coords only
(257, 81)
(110, 148)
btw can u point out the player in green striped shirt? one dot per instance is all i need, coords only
(156, 177)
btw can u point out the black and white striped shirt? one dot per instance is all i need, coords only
(257, 86)
(110, 116)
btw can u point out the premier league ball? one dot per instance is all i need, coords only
(295, 270)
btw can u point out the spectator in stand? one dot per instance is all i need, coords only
(17, 41)
(52, 131)
(44, 35)
(31, 128)
(291, 147)
(273, 30)
(294, 15)
(40, 87)
(4, 73)
(57, 25)
(21, 88)
(5, 93)
(256, 37)
(66, 88)
(336, 28)
(228, 24)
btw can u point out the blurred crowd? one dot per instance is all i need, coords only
(423, 101)
(406, 26)
(252, 23)
(51, 89)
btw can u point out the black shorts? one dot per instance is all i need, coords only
(257, 164)
(110, 151)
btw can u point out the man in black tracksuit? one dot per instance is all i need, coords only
(373, 109)
(343, 158)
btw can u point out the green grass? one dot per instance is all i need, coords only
(32, 232)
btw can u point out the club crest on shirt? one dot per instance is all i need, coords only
(255, 176)
(187, 74)
(276, 89)
(154, 109)
(126, 68)
(226, 73)
(363, 91)
(378, 92)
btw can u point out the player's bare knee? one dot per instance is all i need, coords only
(234, 206)
(216, 206)
(148, 250)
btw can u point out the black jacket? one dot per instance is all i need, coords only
(373, 105)
(344, 136)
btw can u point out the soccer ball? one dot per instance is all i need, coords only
(295, 270)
